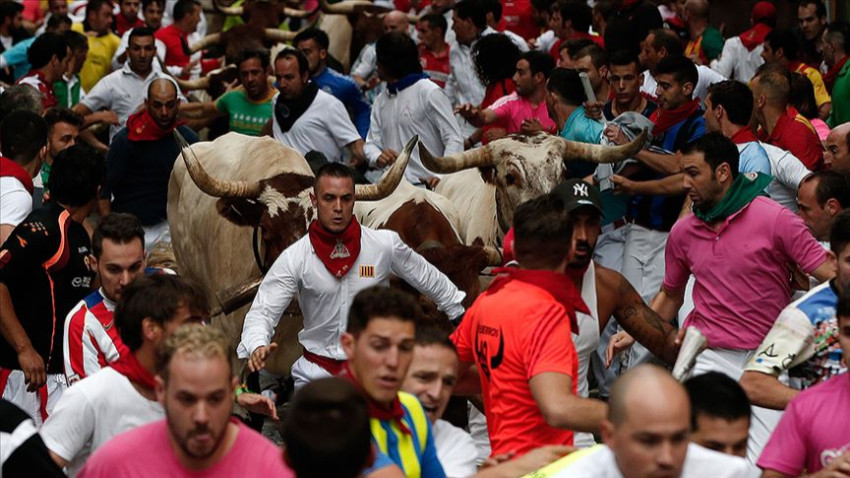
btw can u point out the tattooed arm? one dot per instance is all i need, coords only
(652, 327)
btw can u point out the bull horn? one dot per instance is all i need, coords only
(201, 83)
(603, 154)
(209, 184)
(296, 13)
(390, 180)
(348, 7)
(494, 256)
(206, 42)
(279, 36)
(456, 162)
(231, 10)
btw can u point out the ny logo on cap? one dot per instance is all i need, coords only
(580, 189)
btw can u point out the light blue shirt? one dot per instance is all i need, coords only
(582, 129)
(753, 158)
(16, 57)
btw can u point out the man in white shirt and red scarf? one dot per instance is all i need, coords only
(141, 156)
(325, 270)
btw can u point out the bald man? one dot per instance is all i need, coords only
(646, 434)
(836, 154)
(141, 156)
(396, 21)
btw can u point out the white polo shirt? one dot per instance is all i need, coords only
(325, 127)
(15, 201)
(121, 91)
(707, 77)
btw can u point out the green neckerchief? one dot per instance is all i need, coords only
(45, 175)
(745, 188)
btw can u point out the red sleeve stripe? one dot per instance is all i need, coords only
(76, 329)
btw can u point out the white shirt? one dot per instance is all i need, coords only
(464, 86)
(366, 63)
(599, 462)
(586, 342)
(121, 91)
(545, 41)
(325, 127)
(518, 40)
(707, 77)
(422, 108)
(326, 300)
(736, 62)
(91, 412)
(455, 450)
(160, 53)
(787, 172)
(15, 201)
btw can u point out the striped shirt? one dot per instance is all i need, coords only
(414, 453)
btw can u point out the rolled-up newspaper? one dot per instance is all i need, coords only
(692, 345)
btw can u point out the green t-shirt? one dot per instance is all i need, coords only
(67, 97)
(246, 116)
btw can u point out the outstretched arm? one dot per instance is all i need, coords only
(645, 324)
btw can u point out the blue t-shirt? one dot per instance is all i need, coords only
(16, 57)
(346, 90)
(582, 129)
(753, 158)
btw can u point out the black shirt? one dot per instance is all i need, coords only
(47, 266)
(25, 457)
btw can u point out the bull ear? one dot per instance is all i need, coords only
(488, 174)
(241, 211)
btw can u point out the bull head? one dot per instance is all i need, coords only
(525, 167)
(280, 206)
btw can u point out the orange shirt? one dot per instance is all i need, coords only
(518, 328)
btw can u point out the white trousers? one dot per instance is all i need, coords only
(732, 363)
(35, 403)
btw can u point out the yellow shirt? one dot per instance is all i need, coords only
(821, 95)
(101, 50)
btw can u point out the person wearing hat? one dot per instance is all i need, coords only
(605, 292)
(741, 55)
(532, 332)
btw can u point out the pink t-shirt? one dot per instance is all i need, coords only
(513, 109)
(814, 430)
(146, 451)
(742, 282)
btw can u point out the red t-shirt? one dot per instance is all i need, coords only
(174, 40)
(435, 65)
(794, 133)
(516, 15)
(520, 327)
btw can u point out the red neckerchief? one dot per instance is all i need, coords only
(666, 119)
(129, 366)
(744, 135)
(832, 74)
(559, 285)
(394, 413)
(122, 24)
(11, 169)
(142, 127)
(754, 36)
(338, 252)
(48, 95)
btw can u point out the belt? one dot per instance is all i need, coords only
(614, 225)
(332, 366)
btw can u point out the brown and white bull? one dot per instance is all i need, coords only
(216, 202)
(488, 183)
(429, 223)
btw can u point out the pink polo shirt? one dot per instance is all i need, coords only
(742, 282)
(513, 109)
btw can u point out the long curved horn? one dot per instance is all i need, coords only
(349, 7)
(236, 11)
(210, 185)
(456, 162)
(296, 13)
(279, 36)
(388, 183)
(206, 42)
(603, 154)
(201, 83)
